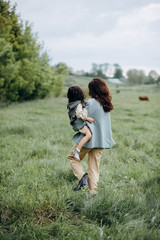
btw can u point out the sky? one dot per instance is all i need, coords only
(82, 32)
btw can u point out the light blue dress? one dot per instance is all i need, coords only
(100, 128)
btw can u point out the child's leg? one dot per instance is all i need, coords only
(86, 131)
(85, 139)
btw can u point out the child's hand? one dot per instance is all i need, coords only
(89, 119)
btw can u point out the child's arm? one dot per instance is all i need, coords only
(83, 114)
(89, 119)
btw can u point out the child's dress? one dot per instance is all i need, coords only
(82, 113)
(77, 114)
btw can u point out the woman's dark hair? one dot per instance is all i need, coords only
(98, 89)
(75, 93)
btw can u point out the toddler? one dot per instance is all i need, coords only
(78, 115)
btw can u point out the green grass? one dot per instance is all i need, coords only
(36, 181)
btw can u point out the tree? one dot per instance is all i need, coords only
(25, 72)
(152, 77)
(9, 69)
(158, 81)
(10, 26)
(118, 73)
(136, 76)
(60, 71)
(98, 70)
(105, 68)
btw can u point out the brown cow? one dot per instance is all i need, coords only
(144, 98)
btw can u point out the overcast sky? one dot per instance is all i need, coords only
(82, 32)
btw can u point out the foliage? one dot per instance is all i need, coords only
(25, 72)
(9, 69)
(139, 77)
(101, 70)
(115, 71)
(136, 76)
(98, 70)
(152, 77)
(36, 180)
(158, 80)
(118, 71)
(60, 72)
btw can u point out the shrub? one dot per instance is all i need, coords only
(25, 72)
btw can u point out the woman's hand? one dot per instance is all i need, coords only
(89, 119)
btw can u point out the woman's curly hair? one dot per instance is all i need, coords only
(98, 89)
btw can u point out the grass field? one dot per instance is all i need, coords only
(36, 181)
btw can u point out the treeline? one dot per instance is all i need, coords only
(133, 76)
(25, 71)
(105, 70)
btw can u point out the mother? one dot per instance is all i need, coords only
(98, 107)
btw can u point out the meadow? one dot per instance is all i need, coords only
(36, 181)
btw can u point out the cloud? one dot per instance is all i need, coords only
(142, 16)
(86, 31)
(131, 41)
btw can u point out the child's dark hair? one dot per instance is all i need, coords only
(75, 93)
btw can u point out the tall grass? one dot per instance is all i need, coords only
(36, 181)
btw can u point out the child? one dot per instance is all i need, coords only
(78, 115)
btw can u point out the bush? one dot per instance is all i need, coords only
(25, 72)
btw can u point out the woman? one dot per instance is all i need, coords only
(98, 107)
